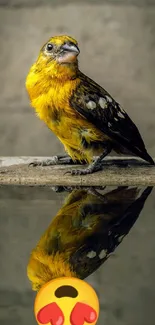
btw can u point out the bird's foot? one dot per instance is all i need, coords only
(59, 189)
(94, 167)
(94, 192)
(43, 163)
(56, 160)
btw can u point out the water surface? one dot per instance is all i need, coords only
(125, 282)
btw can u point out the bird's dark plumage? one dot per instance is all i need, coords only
(108, 116)
(118, 215)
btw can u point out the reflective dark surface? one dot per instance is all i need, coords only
(124, 282)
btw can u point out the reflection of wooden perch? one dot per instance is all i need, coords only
(116, 172)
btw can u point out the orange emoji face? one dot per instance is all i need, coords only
(66, 301)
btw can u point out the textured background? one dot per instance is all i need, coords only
(117, 41)
(117, 50)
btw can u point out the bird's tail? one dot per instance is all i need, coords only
(146, 157)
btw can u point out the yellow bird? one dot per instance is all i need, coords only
(83, 115)
(86, 230)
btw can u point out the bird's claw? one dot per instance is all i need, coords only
(59, 189)
(71, 172)
(34, 163)
(75, 172)
(96, 166)
(48, 162)
(55, 160)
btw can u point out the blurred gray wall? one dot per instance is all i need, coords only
(117, 42)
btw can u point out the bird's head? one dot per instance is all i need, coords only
(59, 55)
(62, 49)
(43, 267)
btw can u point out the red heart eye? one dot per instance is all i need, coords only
(51, 313)
(82, 313)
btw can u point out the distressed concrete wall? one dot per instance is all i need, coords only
(117, 50)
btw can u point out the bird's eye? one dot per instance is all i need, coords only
(49, 47)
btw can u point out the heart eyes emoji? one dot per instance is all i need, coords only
(80, 314)
(51, 313)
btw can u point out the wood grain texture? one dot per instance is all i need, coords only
(116, 172)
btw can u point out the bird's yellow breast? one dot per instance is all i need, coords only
(50, 98)
(48, 95)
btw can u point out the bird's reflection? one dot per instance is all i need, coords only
(86, 230)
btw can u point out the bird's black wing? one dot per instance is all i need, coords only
(99, 108)
(97, 248)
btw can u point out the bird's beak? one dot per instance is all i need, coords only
(68, 54)
(71, 48)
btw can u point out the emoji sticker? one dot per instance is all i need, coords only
(66, 301)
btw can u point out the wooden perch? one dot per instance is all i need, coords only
(116, 172)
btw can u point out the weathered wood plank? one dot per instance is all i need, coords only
(116, 172)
